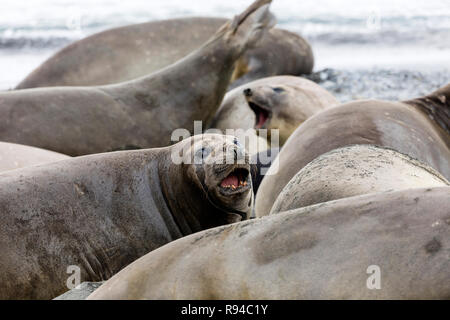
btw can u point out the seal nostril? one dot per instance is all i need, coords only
(248, 92)
(278, 90)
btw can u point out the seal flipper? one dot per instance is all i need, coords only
(206, 72)
(246, 28)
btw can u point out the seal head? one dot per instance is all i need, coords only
(219, 166)
(277, 107)
(275, 103)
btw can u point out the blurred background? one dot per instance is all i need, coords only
(391, 49)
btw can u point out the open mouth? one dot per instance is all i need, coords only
(237, 180)
(262, 115)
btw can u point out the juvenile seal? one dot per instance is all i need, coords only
(141, 113)
(14, 156)
(282, 103)
(133, 51)
(325, 251)
(418, 128)
(103, 211)
(352, 171)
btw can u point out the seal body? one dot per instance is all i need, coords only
(280, 52)
(402, 126)
(281, 103)
(141, 113)
(133, 51)
(355, 170)
(328, 251)
(14, 156)
(98, 213)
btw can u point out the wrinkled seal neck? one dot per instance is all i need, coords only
(185, 198)
(437, 107)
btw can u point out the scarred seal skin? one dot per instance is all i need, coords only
(324, 251)
(352, 171)
(101, 212)
(417, 127)
(133, 51)
(14, 156)
(141, 113)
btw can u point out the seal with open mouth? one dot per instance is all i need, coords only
(103, 211)
(222, 172)
(282, 103)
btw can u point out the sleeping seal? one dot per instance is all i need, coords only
(327, 251)
(101, 212)
(141, 113)
(355, 170)
(418, 128)
(14, 156)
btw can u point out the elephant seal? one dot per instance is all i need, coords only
(101, 212)
(352, 171)
(141, 113)
(133, 51)
(14, 156)
(418, 128)
(325, 251)
(282, 103)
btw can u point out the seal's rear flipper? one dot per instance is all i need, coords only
(246, 29)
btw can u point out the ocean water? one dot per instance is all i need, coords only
(347, 35)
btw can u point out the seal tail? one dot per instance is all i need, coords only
(246, 28)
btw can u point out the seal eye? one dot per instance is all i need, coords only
(202, 153)
(278, 90)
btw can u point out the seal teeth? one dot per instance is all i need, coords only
(242, 183)
(235, 180)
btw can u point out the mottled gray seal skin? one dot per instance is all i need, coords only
(281, 103)
(317, 252)
(352, 171)
(418, 128)
(133, 51)
(15, 156)
(102, 212)
(141, 113)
